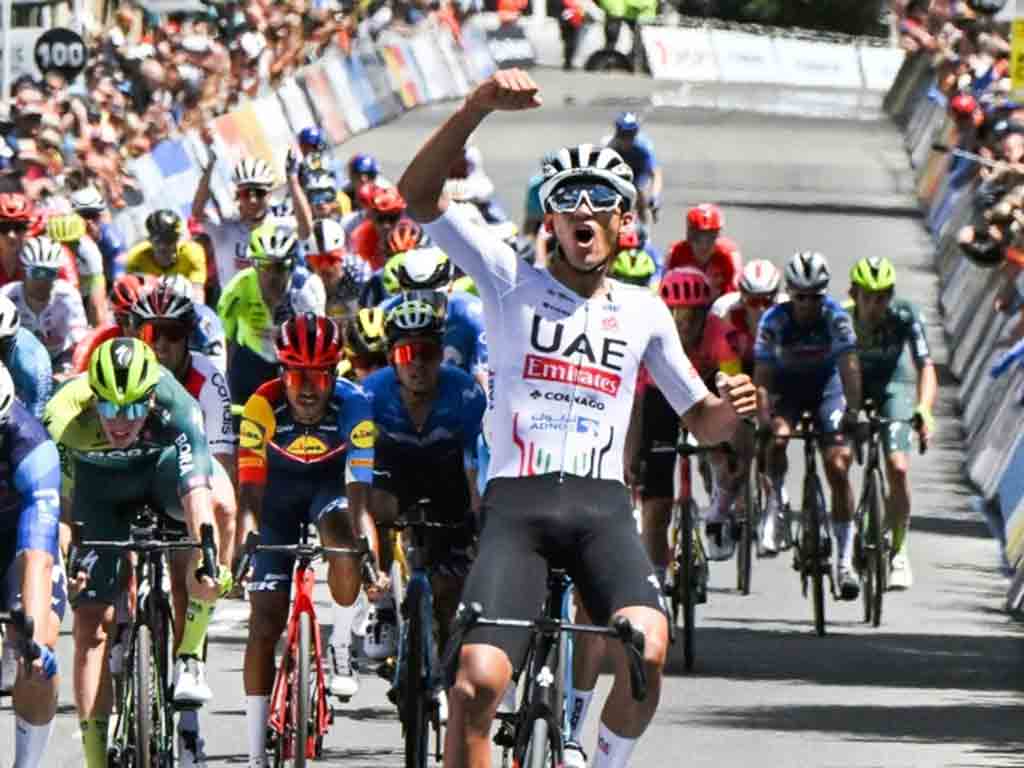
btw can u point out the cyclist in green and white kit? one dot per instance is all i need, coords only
(885, 325)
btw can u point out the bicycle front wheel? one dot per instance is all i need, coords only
(415, 693)
(538, 750)
(747, 523)
(877, 560)
(143, 700)
(687, 584)
(814, 512)
(301, 691)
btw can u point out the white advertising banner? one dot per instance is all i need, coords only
(675, 53)
(745, 58)
(818, 65)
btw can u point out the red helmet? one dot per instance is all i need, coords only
(686, 287)
(963, 104)
(309, 341)
(127, 289)
(705, 218)
(628, 238)
(16, 207)
(366, 193)
(388, 200)
(404, 237)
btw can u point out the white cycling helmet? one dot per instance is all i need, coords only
(328, 235)
(10, 320)
(253, 172)
(88, 200)
(808, 271)
(760, 277)
(41, 252)
(587, 161)
(6, 394)
(424, 269)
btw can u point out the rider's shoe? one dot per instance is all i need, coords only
(344, 682)
(720, 541)
(849, 584)
(381, 639)
(721, 504)
(442, 707)
(573, 755)
(190, 686)
(768, 541)
(191, 752)
(900, 575)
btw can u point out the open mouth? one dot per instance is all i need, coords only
(584, 234)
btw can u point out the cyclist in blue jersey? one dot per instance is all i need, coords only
(806, 360)
(428, 418)
(26, 359)
(34, 580)
(638, 152)
(90, 205)
(465, 341)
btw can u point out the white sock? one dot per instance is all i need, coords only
(362, 613)
(612, 751)
(344, 616)
(579, 703)
(257, 709)
(844, 541)
(30, 742)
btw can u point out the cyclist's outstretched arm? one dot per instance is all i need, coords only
(850, 374)
(423, 181)
(763, 379)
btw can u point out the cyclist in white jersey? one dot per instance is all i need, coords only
(567, 344)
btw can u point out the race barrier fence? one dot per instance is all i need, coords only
(991, 408)
(343, 95)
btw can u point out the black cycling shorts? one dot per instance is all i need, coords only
(582, 525)
(659, 435)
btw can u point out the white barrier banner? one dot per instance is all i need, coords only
(880, 66)
(296, 108)
(435, 72)
(818, 65)
(680, 54)
(354, 116)
(745, 58)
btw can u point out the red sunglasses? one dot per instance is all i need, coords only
(151, 331)
(320, 379)
(427, 351)
(324, 260)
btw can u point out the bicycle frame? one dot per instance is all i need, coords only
(282, 708)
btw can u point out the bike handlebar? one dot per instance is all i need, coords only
(27, 647)
(306, 551)
(632, 639)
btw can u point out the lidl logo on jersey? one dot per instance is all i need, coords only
(363, 434)
(250, 435)
(545, 422)
(307, 446)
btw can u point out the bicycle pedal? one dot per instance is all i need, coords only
(386, 669)
(505, 736)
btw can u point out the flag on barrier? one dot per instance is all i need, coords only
(400, 72)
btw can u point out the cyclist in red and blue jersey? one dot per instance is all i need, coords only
(33, 578)
(305, 456)
(806, 360)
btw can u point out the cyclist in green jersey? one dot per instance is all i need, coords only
(129, 433)
(885, 325)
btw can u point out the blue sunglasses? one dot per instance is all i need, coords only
(130, 411)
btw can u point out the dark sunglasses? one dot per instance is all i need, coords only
(7, 227)
(387, 219)
(759, 302)
(321, 379)
(600, 197)
(91, 216)
(254, 193)
(807, 298)
(426, 351)
(41, 273)
(172, 331)
(321, 197)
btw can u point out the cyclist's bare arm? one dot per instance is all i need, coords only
(202, 196)
(303, 213)
(763, 380)
(36, 593)
(422, 183)
(359, 508)
(850, 374)
(714, 420)
(927, 385)
(250, 510)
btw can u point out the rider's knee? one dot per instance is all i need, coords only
(482, 679)
(837, 466)
(91, 624)
(898, 469)
(657, 513)
(266, 623)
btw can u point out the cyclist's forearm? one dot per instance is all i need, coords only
(657, 183)
(198, 507)
(359, 508)
(763, 382)
(422, 183)
(712, 421)
(927, 386)
(202, 196)
(36, 591)
(303, 212)
(850, 375)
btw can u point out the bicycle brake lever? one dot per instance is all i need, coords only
(467, 616)
(248, 550)
(209, 550)
(371, 572)
(634, 641)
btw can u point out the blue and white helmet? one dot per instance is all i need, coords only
(808, 271)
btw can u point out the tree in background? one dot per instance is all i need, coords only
(856, 17)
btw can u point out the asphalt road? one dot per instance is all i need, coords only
(939, 683)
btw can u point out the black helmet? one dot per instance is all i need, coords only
(163, 226)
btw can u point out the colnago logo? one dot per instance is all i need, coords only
(565, 397)
(564, 372)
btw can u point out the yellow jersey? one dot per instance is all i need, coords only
(190, 261)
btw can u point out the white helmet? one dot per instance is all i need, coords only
(41, 252)
(179, 285)
(328, 235)
(759, 277)
(808, 271)
(424, 268)
(253, 172)
(10, 321)
(6, 394)
(380, 640)
(587, 161)
(88, 200)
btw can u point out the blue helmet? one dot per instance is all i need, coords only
(361, 163)
(311, 137)
(627, 122)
